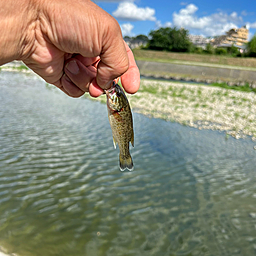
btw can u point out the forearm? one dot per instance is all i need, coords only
(44, 34)
(16, 18)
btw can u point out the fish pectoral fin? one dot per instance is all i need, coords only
(114, 142)
(132, 139)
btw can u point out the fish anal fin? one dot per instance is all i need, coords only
(114, 142)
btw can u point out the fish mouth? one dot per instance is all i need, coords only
(111, 90)
(108, 92)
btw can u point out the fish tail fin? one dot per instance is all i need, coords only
(125, 163)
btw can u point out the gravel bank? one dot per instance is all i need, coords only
(198, 106)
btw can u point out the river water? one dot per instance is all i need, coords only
(61, 192)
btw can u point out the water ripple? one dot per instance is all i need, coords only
(191, 193)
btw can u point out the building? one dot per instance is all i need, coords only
(135, 42)
(199, 41)
(235, 36)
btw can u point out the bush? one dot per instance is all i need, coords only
(234, 51)
(221, 51)
(209, 49)
(196, 49)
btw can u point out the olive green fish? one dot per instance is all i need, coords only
(120, 119)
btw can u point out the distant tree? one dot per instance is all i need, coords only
(141, 37)
(252, 47)
(127, 38)
(169, 39)
(159, 39)
(180, 41)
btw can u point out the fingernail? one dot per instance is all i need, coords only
(72, 67)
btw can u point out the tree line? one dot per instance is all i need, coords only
(177, 40)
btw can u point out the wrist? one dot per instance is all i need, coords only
(17, 22)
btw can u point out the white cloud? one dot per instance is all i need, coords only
(165, 25)
(189, 10)
(251, 25)
(211, 25)
(130, 11)
(127, 29)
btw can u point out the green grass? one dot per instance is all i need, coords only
(161, 56)
(21, 67)
(150, 89)
(245, 88)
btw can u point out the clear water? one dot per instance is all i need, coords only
(61, 192)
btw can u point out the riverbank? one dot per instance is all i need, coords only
(198, 106)
(195, 105)
(192, 58)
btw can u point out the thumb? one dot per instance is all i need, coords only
(114, 59)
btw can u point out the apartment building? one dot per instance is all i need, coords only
(236, 36)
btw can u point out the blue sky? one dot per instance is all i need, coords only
(200, 18)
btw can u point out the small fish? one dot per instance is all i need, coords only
(120, 119)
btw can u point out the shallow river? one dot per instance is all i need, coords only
(61, 192)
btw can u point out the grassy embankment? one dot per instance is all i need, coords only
(207, 59)
(204, 68)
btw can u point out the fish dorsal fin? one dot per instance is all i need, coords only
(132, 139)
(114, 142)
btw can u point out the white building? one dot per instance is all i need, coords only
(199, 41)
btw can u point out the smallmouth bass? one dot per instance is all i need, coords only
(120, 119)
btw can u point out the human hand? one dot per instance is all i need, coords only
(80, 73)
(74, 45)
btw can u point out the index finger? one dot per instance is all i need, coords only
(114, 60)
(131, 78)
